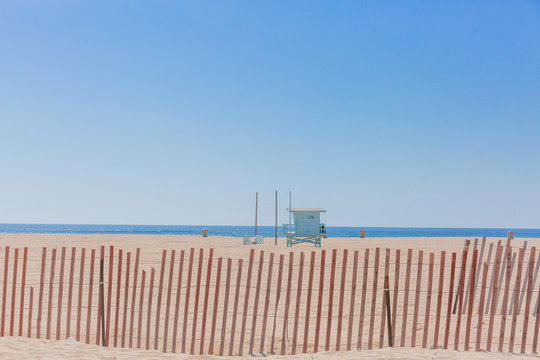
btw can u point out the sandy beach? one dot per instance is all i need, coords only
(151, 247)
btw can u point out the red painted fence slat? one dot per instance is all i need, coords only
(225, 308)
(330, 300)
(528, 300)
(266, 303)
(13, 292)
(373, 298)
(256, 304)
(177, 302)
(351, 302)
(134, 298)
(235, 306)
(319, 302)
(168, 306)
(246, 303)
(60, 293)
(23, 288)
(186, 302)
(206, 295)
(287, 303)
(159, 299)
(70, 291)
(428, 300)
(126, 298)
(216, 302)
(298, 295)
(363, 300)
(196, 305)
(439, 300)
(472, 281)
(417, 298)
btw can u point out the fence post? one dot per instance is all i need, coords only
(80, 298)
(481, 307)
(4, 292)
(235, 306)
(186, 303)
(373, 298)
(417, 297)
(287, 303)
(126, 297)
(196, 306)
(472, 281)
(528, 300)
(13, 292)
(388, 314)
(134, 298)
(90, 293)
(168, 306)
(383, 310)
(341, 295)
(256, 304)
(298, 295)
(266, 302)
(505, 296)
(439, 300)
(206, 295)
(494, 283)
(160, 298)
(177, 302)
(70, 291)
(141, 307)
(351, 308)
(406, 296)
(515, 304)
(23, 288)
(319, 303)
(278, 295)
(101, 300)
(225, 308)
(117, 303)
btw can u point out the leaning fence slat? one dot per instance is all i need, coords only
(133, 298)
(80, 297)
(417, 298)
(383, 310)
(450, 297)
(494, 283)
(439, 301)
(141, 308)
(4, 292)
(319, 303)
(149, 312)
(206, 295)
(216, 301)
(396, 292)
(235, 305)
(278, 296)
(287, 303)
(256, 303)
(351, 303)
(481, 307)
(298, 295)
(505, 296)
(70, 291)
(515, 304)
(459, 296)
(428, 300)
(266, 302)
(468, 282)
(51, 290)
(40, 296)
(225, 308)
(515, 296)
(308, 304)
(177, 302)
(126, 297)
(373, 298)
(186, 302)
(13, 292)
(196, 305)
(341, 298)
(90, 293)
(60, 291)
(23, 288)
(472, 281)
(246, 303)
(168, 306)
(528, 300)
(30, 307)
(159, 299)
(536, 328)
(117, 304)
(363, 300)
(406, 296)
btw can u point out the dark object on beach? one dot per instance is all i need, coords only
(204, 232)
(362, 234)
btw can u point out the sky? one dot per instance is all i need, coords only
(390, 113)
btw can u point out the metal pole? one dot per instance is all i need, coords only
(276, 221)
(256, 206)
(290, 202)
(388, 314)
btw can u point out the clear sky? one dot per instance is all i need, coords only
(167, 112)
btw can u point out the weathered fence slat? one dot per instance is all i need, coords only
(80, 295)
(186, 302)
(330, 301)
(373, 298)
(246, 303)
(141, 307)
(225, 307)
(439, 300)
(126, 297)
(206, 297)
(396, 292)
(528, 300)
(256, 303)
(117, 295)
(449, 305)
(168, 303)
(494, 283)
(319, 302)
(297, 310)
(216, 302)
(23, 288)
(341, 298)
(51, 290)
(235, 305)
(133, 297)
(383, 310)
(90, 293)
(266, 302)
(149, 312)
(287, 304)
(504, 309)
(406, 296)
(196, 305)
(428, 300)
(70, 291)
(4, 291)
(351, 304)
(160, 298)
(177, 302)
(515, 304)
(278, 295)
(60, 293)
(481, 307)
(472, 281)
(417, 298)
(13, 291)
(31, 306)
(109, 293)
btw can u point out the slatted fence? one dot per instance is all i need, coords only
(197, 302)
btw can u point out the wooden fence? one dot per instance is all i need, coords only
(484, 298)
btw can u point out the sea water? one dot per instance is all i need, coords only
(267, 231)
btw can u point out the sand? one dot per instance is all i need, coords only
(228, 247)
(13, 348)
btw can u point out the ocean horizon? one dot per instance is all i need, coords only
(267, 231)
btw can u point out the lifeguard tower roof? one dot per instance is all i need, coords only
(306, 210)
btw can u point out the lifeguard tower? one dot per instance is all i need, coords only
(307, 227)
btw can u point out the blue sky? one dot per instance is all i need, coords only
(384, 113)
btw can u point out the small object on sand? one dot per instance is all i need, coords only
(71, 340)
(362, 234)
(510, 235)
(204, 232)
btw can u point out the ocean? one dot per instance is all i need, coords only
(267, 231)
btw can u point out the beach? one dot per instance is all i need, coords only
(151, 255)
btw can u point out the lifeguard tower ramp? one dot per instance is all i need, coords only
(307, 227)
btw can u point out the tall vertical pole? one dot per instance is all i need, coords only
(256, 206)
(290, 204)
(276, 221)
